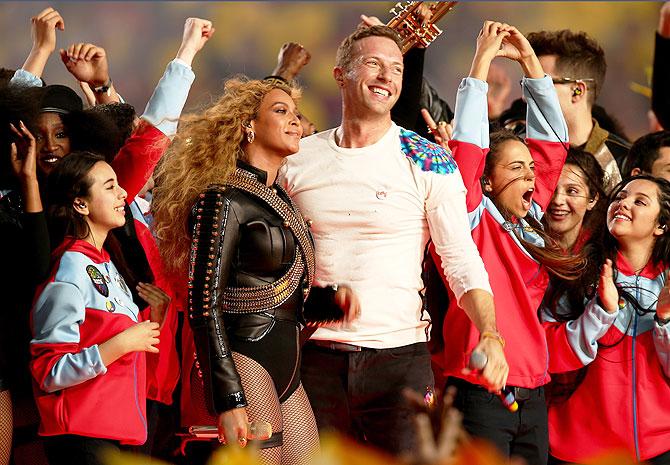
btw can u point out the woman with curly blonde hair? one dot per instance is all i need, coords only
(227, 228)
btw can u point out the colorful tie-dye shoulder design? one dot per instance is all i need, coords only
(427, 155)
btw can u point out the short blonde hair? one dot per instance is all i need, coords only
(345, 51)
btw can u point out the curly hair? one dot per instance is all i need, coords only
(204, 151)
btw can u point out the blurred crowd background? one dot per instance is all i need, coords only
(140, 37)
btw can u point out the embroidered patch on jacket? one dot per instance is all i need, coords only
(110, 306)
(98, 280)
(122, 284)
(427, 155)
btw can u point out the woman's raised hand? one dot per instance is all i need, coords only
(607, 291)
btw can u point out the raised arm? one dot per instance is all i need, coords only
(88, 64)
(43, 32)
(574, 343)
(661, 331)
(547, 131)
(660, 91)
(137, 159)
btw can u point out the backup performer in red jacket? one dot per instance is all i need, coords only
(505, 201)
(89, 337)
(618, 339)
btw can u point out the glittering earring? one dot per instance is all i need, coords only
(251, 135)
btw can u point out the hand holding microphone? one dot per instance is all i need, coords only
(256, 431)
(478, 361)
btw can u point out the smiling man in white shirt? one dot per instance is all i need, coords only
(374, 206)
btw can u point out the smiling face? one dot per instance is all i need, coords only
(52, 141)
(277, 126)
(511, 180)
(633, 214)
(104, 203)
(569, 204)
(372, 83)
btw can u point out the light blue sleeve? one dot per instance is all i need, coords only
(167, 102)
(544, 118)
(471, 114)
(25, 78)
(58, 313)
(584, 332)
(661, 336)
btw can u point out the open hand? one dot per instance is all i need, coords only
(663, 304)
(607, 291)
(441, 131)
(158, 301)
(23, 153)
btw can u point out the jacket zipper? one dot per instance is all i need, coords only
(634, 371)
(137, 394)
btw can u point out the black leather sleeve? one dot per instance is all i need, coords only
(321, 307)
(406, 111)
(660, 90)
(215, 232)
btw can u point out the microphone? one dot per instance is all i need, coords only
(478, 361)
(256, 431)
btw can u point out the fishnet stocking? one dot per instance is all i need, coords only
(301, 436)
(6, 426)
(263, 402)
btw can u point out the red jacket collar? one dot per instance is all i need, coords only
(649, 271)
(71, 244)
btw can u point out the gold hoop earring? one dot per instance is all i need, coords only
(251, 135)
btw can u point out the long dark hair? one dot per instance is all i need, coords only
(601, 246)
(577, 293)
(551, 255)
(68, 180)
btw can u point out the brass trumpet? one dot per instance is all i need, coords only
(412, 30)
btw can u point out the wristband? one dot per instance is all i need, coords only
(103, 89)
(492, 335)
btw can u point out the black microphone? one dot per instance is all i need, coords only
(478, 361)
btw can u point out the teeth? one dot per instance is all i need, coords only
(119, 209)
(621, 217)
(379, 91)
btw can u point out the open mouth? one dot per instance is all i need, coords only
(527, 198)
(119, 209)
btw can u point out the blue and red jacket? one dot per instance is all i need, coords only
(518, 281)
(84, 303)
(622, 402)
